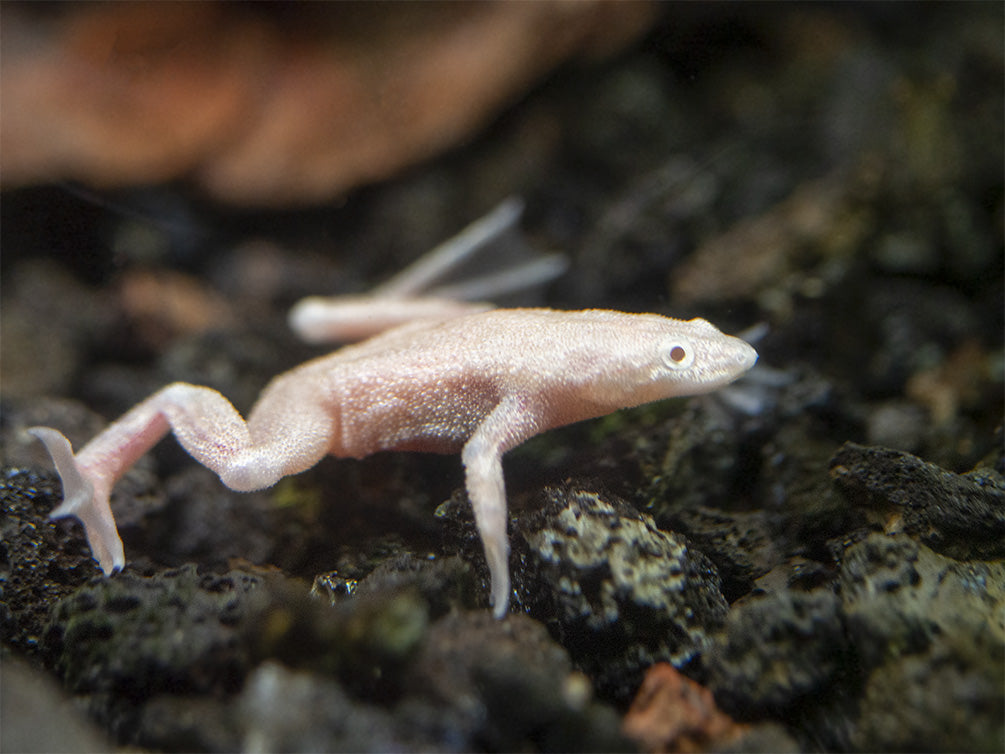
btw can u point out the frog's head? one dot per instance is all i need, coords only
(648, 357)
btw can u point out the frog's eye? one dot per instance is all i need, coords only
(678, 354)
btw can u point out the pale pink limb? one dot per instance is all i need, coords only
(435, 264)
(410, 296)
(246, 456)
(512, 279)
(319, 319)
(323, 319)
(509, 424)
(80, 499)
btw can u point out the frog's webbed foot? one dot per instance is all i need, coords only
(462, 269)
(456, 278)
(84, 499)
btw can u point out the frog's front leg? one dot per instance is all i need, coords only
(512, 421)
(283, 437)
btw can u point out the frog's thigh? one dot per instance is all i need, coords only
(289, 434)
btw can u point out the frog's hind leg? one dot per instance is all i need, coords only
(434, 265)
(206, 425)
(487, 259)
(83, 501)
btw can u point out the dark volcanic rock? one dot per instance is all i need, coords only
(923, 630)
(960, 515)
(136, 635)
(510, 687)
(836, 662)
(445, 583)
(742, 544)
(949, 698)
(621, 593)
(777, 650)
(40, 561)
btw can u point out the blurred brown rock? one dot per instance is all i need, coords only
(672, 713)
(273, 104)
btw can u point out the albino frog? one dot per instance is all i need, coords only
(457, 379)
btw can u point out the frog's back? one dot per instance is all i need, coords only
(500, 344)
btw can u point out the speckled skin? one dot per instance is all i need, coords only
(479, 384)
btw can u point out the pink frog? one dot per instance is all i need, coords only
(445, 376)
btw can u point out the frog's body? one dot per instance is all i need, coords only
(479, 384)
(458, 378)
